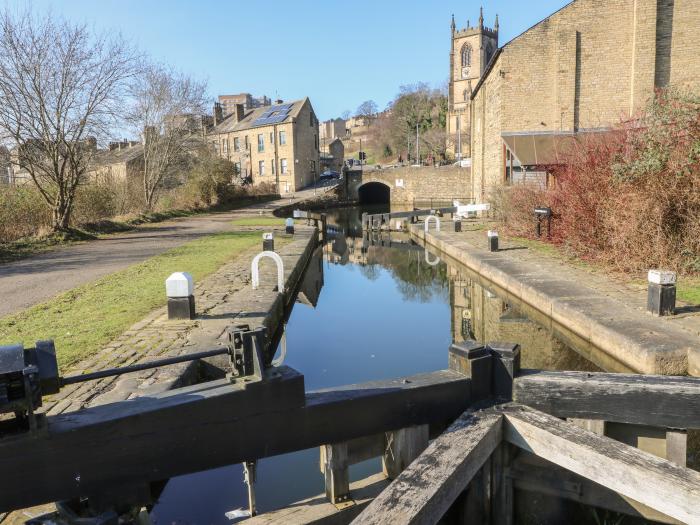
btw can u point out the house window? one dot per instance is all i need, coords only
(236, 144)
(261, 167)
(316, 141)
(246, 142)
(283, 166)
(224, 146)
(237, 167)
(283, 138)
(272, 137)
(261, 143)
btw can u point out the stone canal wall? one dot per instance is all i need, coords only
(631, 339)
(222, 299)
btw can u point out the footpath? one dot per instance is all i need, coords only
(603, 312)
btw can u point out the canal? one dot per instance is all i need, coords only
(386, 309)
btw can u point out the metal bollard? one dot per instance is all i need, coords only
(289, 226)
(255, 271)
(493, 240)
(661, 293)
(268, 242)
(179, 288)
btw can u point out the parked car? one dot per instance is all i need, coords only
(329, 174)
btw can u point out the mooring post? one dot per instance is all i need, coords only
(661, 293)
(492, 237)
(402, 447)
(457, 224)
(334, 459)
(268, 244)
(179, 288)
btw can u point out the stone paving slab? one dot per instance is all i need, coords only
(223, 298)
(601, 310)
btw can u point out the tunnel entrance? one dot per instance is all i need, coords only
(374, 193)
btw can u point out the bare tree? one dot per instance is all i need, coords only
(346, 114)
(60, 89)
(367, 109)
(163, 105)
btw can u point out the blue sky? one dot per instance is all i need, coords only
(338, 53)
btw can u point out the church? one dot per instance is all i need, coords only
(580, 70)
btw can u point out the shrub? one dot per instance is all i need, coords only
(629, 198)
(23, 212)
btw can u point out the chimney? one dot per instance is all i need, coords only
(113, 146)
(279, 101)
(239, 112)
(218, 113)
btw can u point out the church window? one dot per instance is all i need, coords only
(466, 55)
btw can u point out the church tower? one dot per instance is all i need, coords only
(471, 50)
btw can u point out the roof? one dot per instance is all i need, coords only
(117, 156)
(252, 117)
(540, 148)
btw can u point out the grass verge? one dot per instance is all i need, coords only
(86, 318)
(688, 290)
(23, 248)
(258, 221)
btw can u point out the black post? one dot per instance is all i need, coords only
(506, 365)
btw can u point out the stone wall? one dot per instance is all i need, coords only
(586, 66)
(417, 185)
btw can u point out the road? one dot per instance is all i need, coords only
(31, 281)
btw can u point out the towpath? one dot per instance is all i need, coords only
(30, 281)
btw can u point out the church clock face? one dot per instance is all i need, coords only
(465, 71)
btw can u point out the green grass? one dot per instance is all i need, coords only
(258, 221)
(688, 290)
(86, 318)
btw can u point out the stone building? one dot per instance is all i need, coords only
(333, 157)
(332, 129)
(228, 102)
(580, 70)
(470, 52)
(123, 161)
(274, 144)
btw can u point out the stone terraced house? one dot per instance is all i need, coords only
(277, 144)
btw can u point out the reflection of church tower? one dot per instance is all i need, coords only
(471, 51)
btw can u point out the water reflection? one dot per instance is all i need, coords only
(370, 307)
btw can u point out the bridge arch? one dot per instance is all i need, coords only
(374, 192)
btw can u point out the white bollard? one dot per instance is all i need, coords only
(255, 271)
(179, 288)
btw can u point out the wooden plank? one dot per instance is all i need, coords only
(210, 425)
(336, 472)
(677, 446)
(402, 447)
(655, 482)
(428, 487)
(318, 511)
(662, 401)
(534, 474)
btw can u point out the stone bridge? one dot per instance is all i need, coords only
(423, 187)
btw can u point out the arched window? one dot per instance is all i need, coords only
(466, 55)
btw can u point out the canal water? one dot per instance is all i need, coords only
(386, 309)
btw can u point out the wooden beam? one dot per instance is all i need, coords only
(538, 475)
(402, 447)
(210, 425)
(660, 401)
(428, 487)
(655, 482)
